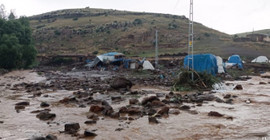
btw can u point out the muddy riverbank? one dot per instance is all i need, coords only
(144, 110)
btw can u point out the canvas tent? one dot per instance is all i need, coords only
(147, 65)
(203, 63)
(235, 60)
(260, 59)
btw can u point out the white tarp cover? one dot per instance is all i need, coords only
(220, 64)
(260, 59)
(147, 65)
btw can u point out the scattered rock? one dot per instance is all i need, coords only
(115, 115)
(90, 122)
(262, 83)
(51, 137)
(1, 121)
(205, 97)
(157, 103)
(72, 128)
(185, 107)
(174, 111)
(194, 112)
(152, 120)
(219, 100)
(119, 129)
(164, 111)
(134, 111)
(133, 101)
(215, 114)
(120, 82)
(88, 133)
(23, 103)
(19, 107)
(149, 99)
(227, 96)
(38, 138)
(238, 87)
(44, 104)
(45, 116)
(229, 101)
(92, 116)
(96, 108)
(116, 97)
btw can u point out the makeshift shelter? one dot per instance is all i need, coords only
(112, 57)
(220, 64)
(203, 63)
(235, 60)
(147, 65)
(260, 59)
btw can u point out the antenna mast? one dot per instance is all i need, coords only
(190, 40)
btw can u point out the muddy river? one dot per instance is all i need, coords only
(248, 117)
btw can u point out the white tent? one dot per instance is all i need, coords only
(147, 65)
(260, 59)
(220, 64)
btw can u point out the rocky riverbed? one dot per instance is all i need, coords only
(108, 105)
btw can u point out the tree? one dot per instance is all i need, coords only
(11, 15)
(16, 46)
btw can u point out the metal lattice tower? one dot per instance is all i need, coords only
(190, 40)
(156, 43)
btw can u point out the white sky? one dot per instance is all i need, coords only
(229, 16)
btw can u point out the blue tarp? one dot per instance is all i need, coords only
(111, 54)
(237, 60)
(203, 63)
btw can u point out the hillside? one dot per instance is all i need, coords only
(266, 31)
(91, 31)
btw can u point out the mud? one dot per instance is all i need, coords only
(71, 94)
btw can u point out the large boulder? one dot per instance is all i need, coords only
(120, 82)
(45, 116)
(72, 128)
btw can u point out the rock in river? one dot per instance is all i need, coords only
(45, 116)
(120, 82)
(72, 128)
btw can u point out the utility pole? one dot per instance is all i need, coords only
(190, 40)
(156, 59)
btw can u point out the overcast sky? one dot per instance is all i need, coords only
(229, 16)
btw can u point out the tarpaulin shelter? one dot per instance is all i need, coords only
(236, 60)
(112, 57)
(147, 65)
(260, 59)
(203, 63)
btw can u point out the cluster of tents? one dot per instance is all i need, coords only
(118, 59)
(212, 64)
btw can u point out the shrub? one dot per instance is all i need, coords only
(201, 81)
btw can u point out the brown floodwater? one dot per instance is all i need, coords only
(250, 120)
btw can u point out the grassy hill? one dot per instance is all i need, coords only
(266, 31)
(91, 31)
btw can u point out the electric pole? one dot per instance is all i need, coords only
(156, 43)
(190, 40)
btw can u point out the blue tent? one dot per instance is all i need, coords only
(237, 60)
(203, 63)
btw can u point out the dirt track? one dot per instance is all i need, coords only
(246, 117)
